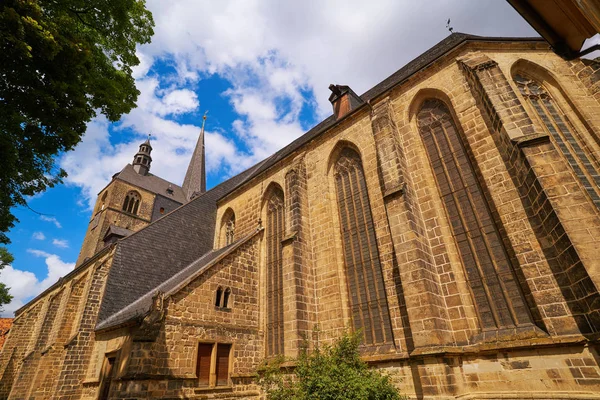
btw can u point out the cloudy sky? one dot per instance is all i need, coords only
(261, 69)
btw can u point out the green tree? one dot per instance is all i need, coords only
(5, 259)
(61, 62)
(330, 373)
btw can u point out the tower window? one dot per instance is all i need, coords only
(132, 202)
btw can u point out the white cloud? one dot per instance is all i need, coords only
(24, 285)
(38, 236)
(51, 219)
(62, 243)
(279, 58)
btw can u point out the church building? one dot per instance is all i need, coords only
(451, 214)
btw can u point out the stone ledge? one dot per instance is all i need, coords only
(289, 238)
(70, 341)
(480, 348)
(530, 140)
(395, 191)
(530, 395)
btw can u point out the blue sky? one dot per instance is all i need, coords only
(261, 69)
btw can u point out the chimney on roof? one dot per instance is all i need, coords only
(343, 100)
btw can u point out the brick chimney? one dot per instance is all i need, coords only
(343, 100)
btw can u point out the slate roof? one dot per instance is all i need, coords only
(152, 183)
(141, 306)
(157, 253)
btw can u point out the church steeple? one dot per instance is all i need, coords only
(142, 159)
(195, 177)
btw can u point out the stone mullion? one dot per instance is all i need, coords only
(423, 297)
(530, 155)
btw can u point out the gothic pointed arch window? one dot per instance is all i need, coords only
(275, 228)
(568, 139)
(366, 290)
(131, 203)
(496, 292)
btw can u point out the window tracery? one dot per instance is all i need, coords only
(368, 302)
(496, 292)
(274, 235)
(567, 138)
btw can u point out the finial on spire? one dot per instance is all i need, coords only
(195, 177)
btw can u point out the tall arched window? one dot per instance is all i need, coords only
(496, 293)
(274, 235)
(132, 202)
(228, 228)
(568, 140)
(366, 290)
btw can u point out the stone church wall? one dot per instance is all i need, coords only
(48, 349)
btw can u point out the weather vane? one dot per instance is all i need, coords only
(451, 29)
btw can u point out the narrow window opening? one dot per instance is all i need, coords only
(218, 297)
(162, 210)
(274, 236)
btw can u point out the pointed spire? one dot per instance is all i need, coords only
(195, 177)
